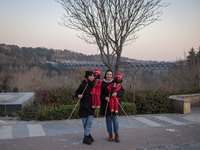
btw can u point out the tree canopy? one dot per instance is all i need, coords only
(110, 24)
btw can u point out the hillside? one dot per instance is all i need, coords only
(14, 58)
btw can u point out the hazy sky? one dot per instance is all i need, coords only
(34, 23)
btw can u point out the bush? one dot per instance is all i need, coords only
(128, 96)
(129, 108)
(15, 89)
(58, 96)
(48, 113)
(52, 104)
(58, 104)
(150, 102)
(63, 112)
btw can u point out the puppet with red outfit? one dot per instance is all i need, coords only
(113, 88)
(96, 91)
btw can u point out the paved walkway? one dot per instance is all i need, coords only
(152, 132)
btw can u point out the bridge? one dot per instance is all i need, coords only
(149, 65)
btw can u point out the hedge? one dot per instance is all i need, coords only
(58, 104)
(63, 112)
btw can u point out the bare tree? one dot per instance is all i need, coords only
(110, 24)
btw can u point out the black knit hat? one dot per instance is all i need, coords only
(88, 73)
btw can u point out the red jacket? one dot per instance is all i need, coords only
(97, 87)
(116, 86)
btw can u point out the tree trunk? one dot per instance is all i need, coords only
(117, 63)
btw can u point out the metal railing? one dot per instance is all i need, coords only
(150, 65)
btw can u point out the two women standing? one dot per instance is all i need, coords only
(86, 111)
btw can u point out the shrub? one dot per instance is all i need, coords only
(48, 113)
(128, 96)
(63, 112)
(149, 101)
(129, 108)
(58, 96)
(15, 89)
(58, 104)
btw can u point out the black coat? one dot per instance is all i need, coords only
(85, 108)
(104, 94)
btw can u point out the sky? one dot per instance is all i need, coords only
(35, 23)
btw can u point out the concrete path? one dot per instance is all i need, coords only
(151, 132)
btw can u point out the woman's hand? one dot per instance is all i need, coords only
(114, 94)
(80, 96)
(107, 98)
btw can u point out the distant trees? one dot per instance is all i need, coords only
(194, 57)
(17, 76)
(192, 68)
(5, 84)
(186, 75)
(14, 58)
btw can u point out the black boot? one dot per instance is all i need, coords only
(87, 140)
(91, 138)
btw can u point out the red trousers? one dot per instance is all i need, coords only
(113, 103)
(95, 101)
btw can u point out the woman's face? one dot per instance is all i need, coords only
(91, 77)
(109, 75)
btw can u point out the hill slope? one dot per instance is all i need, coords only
(15, 58)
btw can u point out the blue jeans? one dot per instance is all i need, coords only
(114, 120)
(87, 124)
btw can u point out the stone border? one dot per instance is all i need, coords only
(183, 103)
(25, 98)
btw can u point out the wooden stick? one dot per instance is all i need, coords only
(105, 114)
(106, 110)
(97, 116)
(77, 102)
(126, 115)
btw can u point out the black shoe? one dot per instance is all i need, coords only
(87, 140)
(91, 138)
